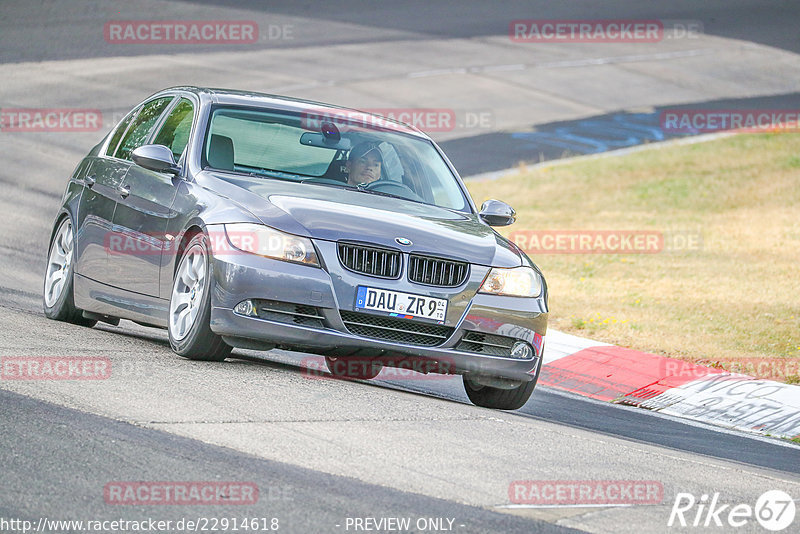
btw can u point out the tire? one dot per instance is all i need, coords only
(57, 295)
(191, 337)
(353, 368)
(501, 399)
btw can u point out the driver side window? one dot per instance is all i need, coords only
(177, 127)
(140, 128)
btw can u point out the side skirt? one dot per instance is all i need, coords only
(102, 299)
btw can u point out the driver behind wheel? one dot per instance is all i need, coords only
(370, 161)
(364, 164)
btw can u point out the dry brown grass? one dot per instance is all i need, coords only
(737, 297)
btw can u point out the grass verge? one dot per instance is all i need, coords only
(732, 297)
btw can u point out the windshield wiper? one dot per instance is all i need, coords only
(363, 189)
(276, 174)
(328, 182)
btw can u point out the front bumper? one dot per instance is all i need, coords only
(332, 290)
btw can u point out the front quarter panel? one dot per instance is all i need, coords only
(195, 206)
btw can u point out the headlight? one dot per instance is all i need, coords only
(516, 282)
(266, 241)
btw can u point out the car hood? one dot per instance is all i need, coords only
(334, 214)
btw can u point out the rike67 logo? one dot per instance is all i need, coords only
(774, 510)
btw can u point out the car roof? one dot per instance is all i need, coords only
(252, 98)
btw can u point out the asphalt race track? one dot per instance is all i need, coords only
(322, 450)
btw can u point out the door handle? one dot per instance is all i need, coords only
(90, 181)
(124, 191)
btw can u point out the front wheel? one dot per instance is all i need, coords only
(189, 327)
(498, 398)
(58, 299)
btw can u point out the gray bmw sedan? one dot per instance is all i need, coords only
(237, 219)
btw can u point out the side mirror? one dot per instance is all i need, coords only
(497, 213)
(155, 158)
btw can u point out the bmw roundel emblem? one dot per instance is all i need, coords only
(403, 241)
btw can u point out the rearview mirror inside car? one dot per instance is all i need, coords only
(320, 140)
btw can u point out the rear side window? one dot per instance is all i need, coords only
(117, 135)
(141, 126)
(269, 141)
(175, 132)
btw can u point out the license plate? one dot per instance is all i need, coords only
(399, 304)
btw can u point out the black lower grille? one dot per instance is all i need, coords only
(489, 344)
(286, 312)
(373, 261)
(436, 271)
(400, 330)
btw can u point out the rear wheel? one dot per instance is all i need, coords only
(189, 327)
(58, 299)
(357, 368)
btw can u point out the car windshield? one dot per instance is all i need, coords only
(331, 149)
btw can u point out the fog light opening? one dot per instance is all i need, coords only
(245, 308)
(521, 351)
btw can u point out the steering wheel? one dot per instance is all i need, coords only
(394, 188)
